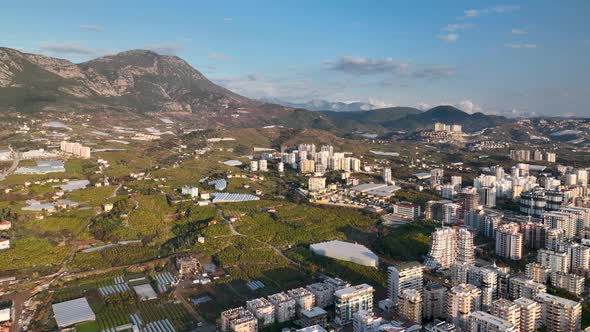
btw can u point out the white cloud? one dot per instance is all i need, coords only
(227, 19)
(468, 106)
(522, 46)
(91, 27)
(377, 103)
(472, 13)
(366, 66)
(69, 49)
(165, 48)
(216, 56)
(519, 31)
(363, 66)
(457, 26)
(451, 37)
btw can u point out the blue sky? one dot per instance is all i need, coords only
(511, 58)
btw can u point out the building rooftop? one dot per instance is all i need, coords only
(351, 252)
(279, 298)
(72, 312)
(314, 312)
(484, 316)
(348, 291)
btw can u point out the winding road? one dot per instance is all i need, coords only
(12, 168)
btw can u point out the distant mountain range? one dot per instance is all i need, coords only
(324, 105)
(142, 83)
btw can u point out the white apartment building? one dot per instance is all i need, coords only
(407, 210)
(410, 305)
(462, 300)
(323, 294)
(285, 307)
(530, 314)
(315, 183)
(556, 261)
(190, 190)
(562, 220)
(238, 320)
(351, 300)
(559, 314)
(304, 299)
(405, 276)
(570, 282)
(537, 272)
(263, 310)
(481, 321)
(524, 287)
(509, 241)
(449, 246)
(366, 321)
(506, 310)
(434, 302)
(386, 174)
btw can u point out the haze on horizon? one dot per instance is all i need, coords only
(514, 58)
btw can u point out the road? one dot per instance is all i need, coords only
(23, 300)
(12, 168)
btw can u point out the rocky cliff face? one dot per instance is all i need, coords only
(138, 78)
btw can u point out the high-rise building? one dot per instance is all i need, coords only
(481, 321)
(469, 198)
(487, 196)
(410, 305)
(537, 272)
(436, 175)
(351, 300)
(386, 174)
(285, 307)
(263, 310)
(465, 246)
(238, 320)
(559, 314)
(562, 220)
(404, 276)
(509, 241)
(449, 246)
(534, 234)
(506, 310)
(553, 237)
(533, 203)
(524, 287)
(556, 261)
(579, 258)
(462, 300)
(307, 166)
(570, 282)
(434, 301)
(520, 155)
(366, 321)
(486, 279)
(530, 314)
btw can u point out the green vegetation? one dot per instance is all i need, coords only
(407, 242)
(32, 254)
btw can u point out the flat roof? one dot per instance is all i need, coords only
(369, 186)
(72, 312)
(314, 312)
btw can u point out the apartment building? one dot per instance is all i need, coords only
(481, 321)
(285, 307)
(559, 314)
(304, 299)
(410, 305)
(263, 310)
(404, 276)
(530, 314)
(238, 320)
(462, 300)
(351, 300)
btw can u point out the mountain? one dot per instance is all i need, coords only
(445, 114)
(374, 117)
(140, 79)
(137, 84)
(324, 105)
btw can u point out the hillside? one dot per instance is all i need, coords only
(141, 83)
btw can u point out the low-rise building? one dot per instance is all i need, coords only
(263, 310)
(315, 316)
(304, 299)
(285, 307)
(238, 320)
